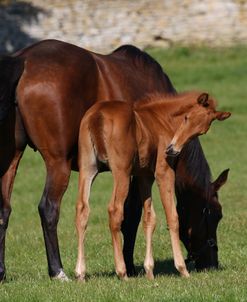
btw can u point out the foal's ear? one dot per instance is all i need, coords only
(203, 99)
(221, 116)
(221, 180)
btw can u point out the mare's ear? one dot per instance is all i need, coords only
(221, 116)
(221, 180)
(203, 99)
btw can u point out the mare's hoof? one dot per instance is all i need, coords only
(2, 276)
(61, 276)
(131, 272)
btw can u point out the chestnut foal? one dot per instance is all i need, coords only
(138, 140)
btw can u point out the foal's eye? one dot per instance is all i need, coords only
(186, 118)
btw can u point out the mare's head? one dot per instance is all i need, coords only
(197, 115)
(198, 207)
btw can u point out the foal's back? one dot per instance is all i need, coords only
(108, 131)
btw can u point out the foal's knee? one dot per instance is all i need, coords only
(173, 224)
(82, 214)
(115, 217)
(149, 220)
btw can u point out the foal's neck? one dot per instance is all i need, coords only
(162, 116)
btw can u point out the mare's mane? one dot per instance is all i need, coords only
(146, 63)
(197, 169)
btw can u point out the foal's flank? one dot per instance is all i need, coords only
(137, 140)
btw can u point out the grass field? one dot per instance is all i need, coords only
(223, 72)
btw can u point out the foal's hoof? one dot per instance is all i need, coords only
(185, 274)
(150, 275)
(61, 276)
(123, 277)
(80, 278)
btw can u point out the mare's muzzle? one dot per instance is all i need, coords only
(170, 151)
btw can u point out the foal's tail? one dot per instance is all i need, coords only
(96, 124)
(11, 69)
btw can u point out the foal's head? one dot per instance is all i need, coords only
(197, 117)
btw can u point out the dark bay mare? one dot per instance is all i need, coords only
(45, 90)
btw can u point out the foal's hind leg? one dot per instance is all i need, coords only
(115, 210)
(149, 222)
(7, 182)
(82, 214)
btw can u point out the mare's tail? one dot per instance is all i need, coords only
(11, 69)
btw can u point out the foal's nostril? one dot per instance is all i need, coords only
(170, 151)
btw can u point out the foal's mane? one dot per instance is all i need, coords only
(159, 98)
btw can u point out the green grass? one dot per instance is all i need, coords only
(222, 72)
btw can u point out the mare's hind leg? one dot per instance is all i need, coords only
(149, 222)
(58, 172)
(115, 210)
(7, 182)
(132, 217)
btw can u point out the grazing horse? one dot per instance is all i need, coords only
(138, 140)
(45, 89)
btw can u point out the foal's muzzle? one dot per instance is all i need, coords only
(170, 151)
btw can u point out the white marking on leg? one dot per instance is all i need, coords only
(149, 223)
(61, 276)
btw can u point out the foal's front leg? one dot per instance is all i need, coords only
(166, 180)
(115, 210)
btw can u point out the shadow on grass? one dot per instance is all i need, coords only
(162, 268)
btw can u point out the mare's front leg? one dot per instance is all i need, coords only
(7, 182)
(149, 221)
(165, 178)
(58, 172)
(115, 209)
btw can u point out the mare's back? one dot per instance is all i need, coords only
(132, 73)
(68, 70)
